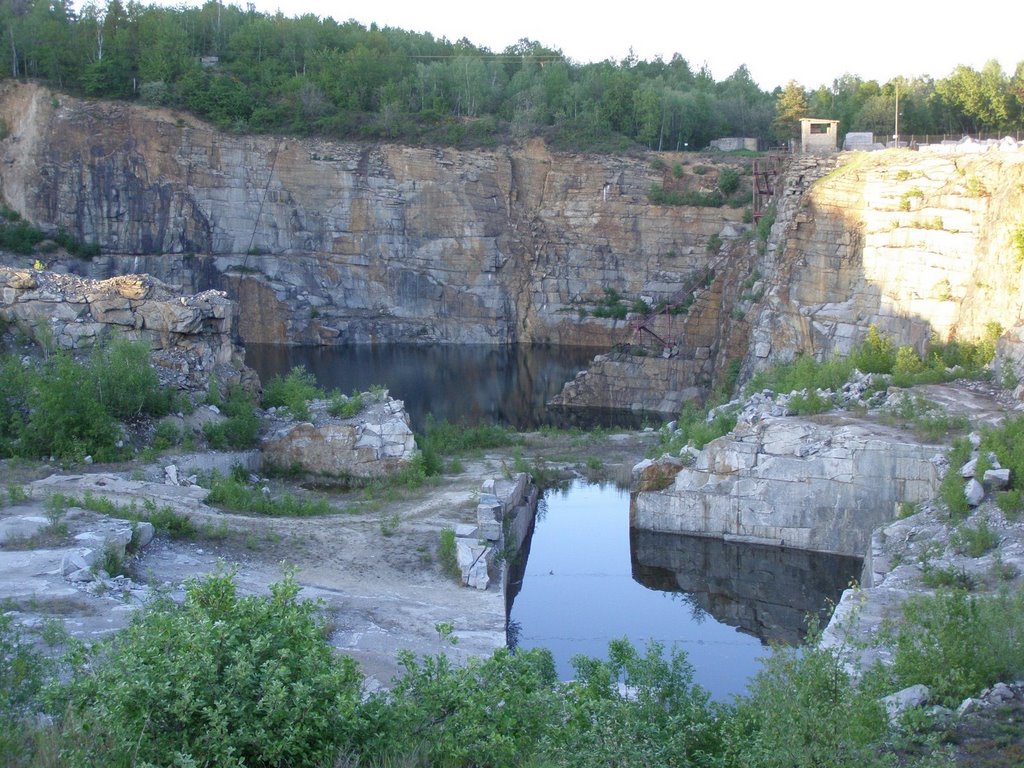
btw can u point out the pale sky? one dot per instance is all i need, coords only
(777, 42)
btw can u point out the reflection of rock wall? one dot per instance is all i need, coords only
(764, 591)
(820, 484)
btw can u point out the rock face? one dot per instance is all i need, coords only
(916, 243)
(820, 484)
(191, 336)
(326, 242)
(375, 442)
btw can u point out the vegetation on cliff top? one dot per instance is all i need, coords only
(248, 71)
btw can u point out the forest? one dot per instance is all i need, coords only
(246, 71)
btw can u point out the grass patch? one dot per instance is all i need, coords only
(974, 540)
(233, 493)
(446, 553)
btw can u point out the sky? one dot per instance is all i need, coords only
(780, 43)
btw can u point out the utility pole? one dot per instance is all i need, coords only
(896, 135)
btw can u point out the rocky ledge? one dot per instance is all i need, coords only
(191, 337)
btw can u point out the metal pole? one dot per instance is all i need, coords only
(897, 135)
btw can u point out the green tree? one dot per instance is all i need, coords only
(790, 106)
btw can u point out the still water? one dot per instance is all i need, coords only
(589, 579)
(469, 383)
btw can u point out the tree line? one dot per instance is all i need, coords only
(253, 72)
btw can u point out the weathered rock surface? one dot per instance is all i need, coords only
(916, 243)
(376, 441)
(191, 336)
(819, 483)
(326, 242)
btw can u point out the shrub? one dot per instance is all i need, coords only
(957, 644)
(488, 712)
(242, 428)
(293, 391)
(222, 680)
(728, 181)
(803, 709)
(233, 493)
(23, 672)
(446, 553)
(664, 719)
(974, 541)
(876, 354)
(127, 385)
(342, 407)
(951, 490)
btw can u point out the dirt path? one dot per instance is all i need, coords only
(373, 562)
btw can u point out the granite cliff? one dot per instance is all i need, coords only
(324, 242)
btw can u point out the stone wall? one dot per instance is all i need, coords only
(821, 484)
(191, 336)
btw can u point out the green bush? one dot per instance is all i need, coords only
(958, 644)
(489, 712)
(23, 673)
(343, 407)
(951, 489)
(728, 181)
(233, 493)
(803, 709)
(974, 540)
(663, 720)
(876, 354)
(293, 391)
(128, 386)
(242, 428)
(222, 680)
(446, 553)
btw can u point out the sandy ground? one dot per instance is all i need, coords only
(373, 561)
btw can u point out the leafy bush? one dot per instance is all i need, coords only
(803, 709)
(951, 489)
(958, 644)
(693, 428)
(242, 428)
(876, 354)
(342, 407)
(728, 181)
(446, 553)
(222, 680)
(23, 672)
(803, 372)
(976, 540)
(664, 719)
(490, 712)
(127, 385)
(293, 391)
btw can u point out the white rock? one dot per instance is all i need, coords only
(909, 698)
(997, 478)
(974, 492)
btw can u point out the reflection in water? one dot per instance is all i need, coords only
(578, 593)
(767, 592)
(472, 384)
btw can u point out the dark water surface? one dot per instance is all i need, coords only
(589, 579)
(471, 384)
